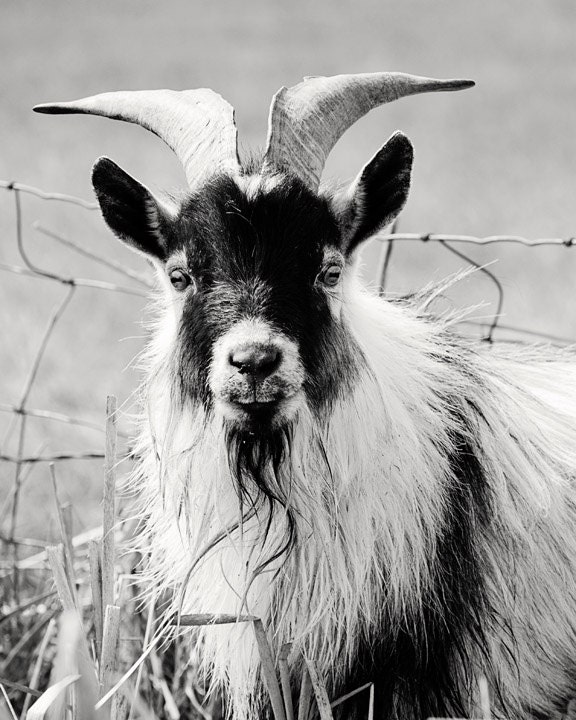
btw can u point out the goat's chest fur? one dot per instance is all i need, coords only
(432, 522)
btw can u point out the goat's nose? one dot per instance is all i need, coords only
(259, 361)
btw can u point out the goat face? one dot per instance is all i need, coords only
(255, 270)
(258, 332)
(260, 336)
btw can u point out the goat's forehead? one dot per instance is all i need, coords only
(253, 185)
(255, 219)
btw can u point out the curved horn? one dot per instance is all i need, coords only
(307, 120)
(197, 124)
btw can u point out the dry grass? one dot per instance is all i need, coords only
(78, 644)
(496, 159)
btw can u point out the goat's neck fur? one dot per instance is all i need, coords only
(370, 492)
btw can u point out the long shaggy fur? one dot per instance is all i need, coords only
(424, 526)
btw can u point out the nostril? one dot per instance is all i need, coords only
(259, 361)
(268, 361)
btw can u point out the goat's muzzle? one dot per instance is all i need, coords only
(256, 376)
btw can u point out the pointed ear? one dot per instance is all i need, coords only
(378, 194)
(133, 214)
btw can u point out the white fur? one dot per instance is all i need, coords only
(380, 506)
(253, 185)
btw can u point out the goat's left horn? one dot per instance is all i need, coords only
(307, 120)
(197, 124)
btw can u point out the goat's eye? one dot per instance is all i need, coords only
(180, 279)
(330, 276)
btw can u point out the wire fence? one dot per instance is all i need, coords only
(21, 411)
(138, 284)
(101, 574)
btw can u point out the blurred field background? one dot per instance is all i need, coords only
(498, 159)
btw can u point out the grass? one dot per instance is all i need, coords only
(496, 159)
(80, 667)
(78, 662)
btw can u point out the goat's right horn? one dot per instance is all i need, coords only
(197, 124)
(307, 120)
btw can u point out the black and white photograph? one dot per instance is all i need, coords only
(288, 360)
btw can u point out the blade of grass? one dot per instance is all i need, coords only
(371, 703)
(96, 586)
(285, 680)
(7, 699)
(147, 634)
(77, 541)
(305, 695)
(109, 647)
(135, 700)
(200, 619)
(36, 672)
(29, 603)
(57, 564)
(268, 671)
(160, 683)
(342, 698)
(18, 686)
(68, 519)
(320, 691)
(104, 699)
(43, 704)
(109, 509)
(66, 538)
(191, 695)
(25, 639)
(72, 644)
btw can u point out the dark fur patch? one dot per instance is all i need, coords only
(129, 208)
(419, 663)
(382, 191)
(259, 257)
(255, 461)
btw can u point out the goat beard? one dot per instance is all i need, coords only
(259, 466)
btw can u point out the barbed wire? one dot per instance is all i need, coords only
(43, 195)
(473, 240)
(21, 411)
(389, 239)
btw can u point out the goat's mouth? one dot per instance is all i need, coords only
(259, 415)
(257, 405)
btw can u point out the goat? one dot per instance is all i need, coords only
(393, 499)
